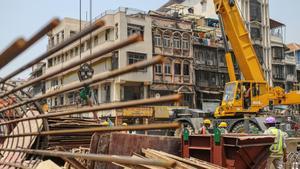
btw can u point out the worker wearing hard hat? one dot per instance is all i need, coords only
(205, 127)
(124, 125)
(223, 127)
(104, 123)
(278, 149)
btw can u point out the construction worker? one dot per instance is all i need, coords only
(223, 127)
(124, 125)
(105, 123)
(205, 127)
(278, 149)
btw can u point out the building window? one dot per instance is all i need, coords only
(157, 40)
(115, 60)
(105, 93)
(96, 40)
(57, 38)
(61, 100)
(255, 10)
(158, 68)
(88, 44)
(71, 98)
(176, 43)
(117, 30)
(76, 51)
(82, 48)
(185, 44)
(52, 41)
(71, 53)
(136, 57)
(72, 33)
(166, 41)
(177, 69)
(50, 62)
(54, 82)
(186, 69)
(107, 32)
(167, 68)
(132, 29)
(62, 35)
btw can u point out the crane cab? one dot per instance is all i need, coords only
(242, 97)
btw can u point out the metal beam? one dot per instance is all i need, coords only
(97, 78)
(121, 44)
(108, 106)
(20, 45)
(60, 46)
(173, 125)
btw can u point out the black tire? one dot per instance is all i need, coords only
(238, 127)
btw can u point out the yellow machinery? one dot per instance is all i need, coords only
(252, 94)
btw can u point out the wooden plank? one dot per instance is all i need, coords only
(200, 163)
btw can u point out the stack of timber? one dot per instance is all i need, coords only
(180, 163)
(70, 140)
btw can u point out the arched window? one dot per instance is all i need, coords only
(167, 39)
(168, 64)
(186, 41)
(177, 40)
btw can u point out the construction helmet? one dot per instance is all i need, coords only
(207, 121)
(124, 124)
(270, 120)
(105, 123)
(223, 124)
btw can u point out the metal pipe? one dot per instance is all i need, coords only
(99, 129)
(12, 51)
(21, 45)
(65, 43)
(97, 157)
(121, 44)
(97, 78)
(107, 106)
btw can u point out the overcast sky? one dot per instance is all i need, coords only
(25, 17)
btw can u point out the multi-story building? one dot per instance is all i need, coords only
(294, 51)
(172, 38)
(120, 24)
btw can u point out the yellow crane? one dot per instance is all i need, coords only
(251, 95)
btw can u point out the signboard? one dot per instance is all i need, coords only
(138, 112)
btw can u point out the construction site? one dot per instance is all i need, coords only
(194, 84)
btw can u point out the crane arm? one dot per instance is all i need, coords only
(239, 39)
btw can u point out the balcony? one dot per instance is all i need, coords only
(291, 78)
(290, 60)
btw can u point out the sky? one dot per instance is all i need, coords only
(25, 17)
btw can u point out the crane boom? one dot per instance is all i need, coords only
(240, 41)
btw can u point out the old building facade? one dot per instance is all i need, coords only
(172, 38)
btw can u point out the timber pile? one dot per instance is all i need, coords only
(181, 163)
(72, 140)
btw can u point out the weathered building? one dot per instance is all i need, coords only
(172, 38)
(120, 24)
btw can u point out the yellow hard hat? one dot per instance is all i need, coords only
(124, 124)
(207, 121)
(223, 124)
(105, 123)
